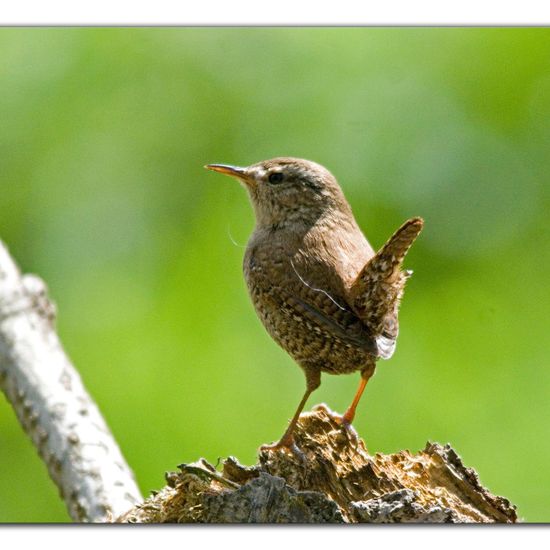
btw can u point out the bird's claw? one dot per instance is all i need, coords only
(341, 420)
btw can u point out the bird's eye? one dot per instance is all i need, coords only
(276, 177)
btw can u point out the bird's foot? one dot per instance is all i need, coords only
(345, 422)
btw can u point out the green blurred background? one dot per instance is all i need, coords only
(103, 138)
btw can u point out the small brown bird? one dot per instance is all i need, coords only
(317, 285)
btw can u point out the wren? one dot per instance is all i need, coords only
(317, 285)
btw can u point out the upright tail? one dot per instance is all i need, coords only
(377, 290)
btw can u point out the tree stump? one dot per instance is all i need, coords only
(332, 479)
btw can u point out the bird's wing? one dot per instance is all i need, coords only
(323, 311)
(377, 290)
(341, 323)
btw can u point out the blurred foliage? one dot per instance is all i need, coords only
(103, 139)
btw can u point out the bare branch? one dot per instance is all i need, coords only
(53, 406)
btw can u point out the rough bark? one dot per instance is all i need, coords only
(333, 479)
(53, 406)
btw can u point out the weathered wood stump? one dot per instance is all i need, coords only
(333, 480)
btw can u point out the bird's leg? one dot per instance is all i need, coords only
(287, 440)
(349, 415)
(313, 381)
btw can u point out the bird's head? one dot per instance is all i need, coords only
(288, 190)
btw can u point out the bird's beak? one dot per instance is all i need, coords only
(238, 172)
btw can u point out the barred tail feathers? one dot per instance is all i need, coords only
(377, 290)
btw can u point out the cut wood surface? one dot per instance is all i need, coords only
(333, 479)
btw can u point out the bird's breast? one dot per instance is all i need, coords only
(299, 297)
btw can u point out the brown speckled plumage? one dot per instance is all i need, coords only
(318, 287)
